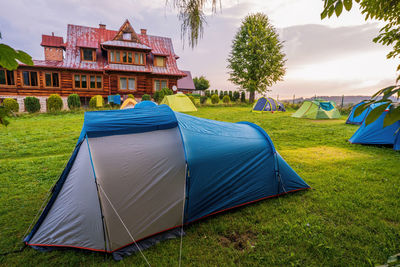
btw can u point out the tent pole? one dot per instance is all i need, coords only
(105, 231)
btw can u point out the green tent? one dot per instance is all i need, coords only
(317, 109)
(179, 102)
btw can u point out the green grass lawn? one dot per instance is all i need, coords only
(350, 218)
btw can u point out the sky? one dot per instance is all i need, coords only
(334, 56)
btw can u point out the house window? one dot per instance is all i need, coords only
(30, 78)
(80, 81)
(52, 79)
(95, 82)
(160, 84)
(88, 54)
(127, 83)
(7, 77)
(159, 61)
(126, 57)
(127, 36)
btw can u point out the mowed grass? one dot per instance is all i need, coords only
(350, 217)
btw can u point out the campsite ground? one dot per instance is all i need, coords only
(350, 218)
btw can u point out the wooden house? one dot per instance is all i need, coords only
(95, 61)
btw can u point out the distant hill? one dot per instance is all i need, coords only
(347, 100)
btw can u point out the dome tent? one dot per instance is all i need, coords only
(317, 109)
(128, 103)
(358, 120)
(375, 134)
(267, 104)
(145, 104)
(138, 172)
(179, 102)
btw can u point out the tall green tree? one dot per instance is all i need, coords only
(387, 11)
(201, 83)
(256, 61)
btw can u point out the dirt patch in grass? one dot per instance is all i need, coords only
(240, 242)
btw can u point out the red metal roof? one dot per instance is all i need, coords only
(186, 82)
(82, 36)
(115, 43)
(51, 40)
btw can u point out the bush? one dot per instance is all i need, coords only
(203, 99)
(158, 96)
(225, 93)
(54, 103)
(214, 99)
(207, 94)
(226, 99)
(146, 97)
(167, 91)
(236, 96)
(93, 102)
(221, 95)
(243, 97)
(230, 95)
(32, 104)
(74, 101)
(131, 96)
(11, 105)
(192, 99)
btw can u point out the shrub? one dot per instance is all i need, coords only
(221, 95)
(158, 96)
(131, 96)
(207, 94)
(74, 101)
(225, 93)
(243, 97)
(236, 96)
(214, 99)
(230, 95)
(146, 97)
(166, 91)
(32, 104)
(93, 101)
(192, 99)
(226, 99)
(203, 99)
(54, 103)
(11, 105)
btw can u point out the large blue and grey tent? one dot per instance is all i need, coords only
(376, 134)
(136, 173)
(267, 104)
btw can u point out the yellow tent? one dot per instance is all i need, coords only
(128, 103)
(179, 102)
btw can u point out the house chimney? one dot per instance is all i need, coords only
(143, 31)
(102, 26)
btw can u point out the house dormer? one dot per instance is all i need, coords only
(126, 47)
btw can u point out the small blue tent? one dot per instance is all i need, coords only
(136, 173)
(358, 120)
(267, 104)
(145, 104)
(376, 134)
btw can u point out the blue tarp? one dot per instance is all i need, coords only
(375, 133)
(116, 99)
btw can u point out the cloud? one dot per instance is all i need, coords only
(309, 43)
